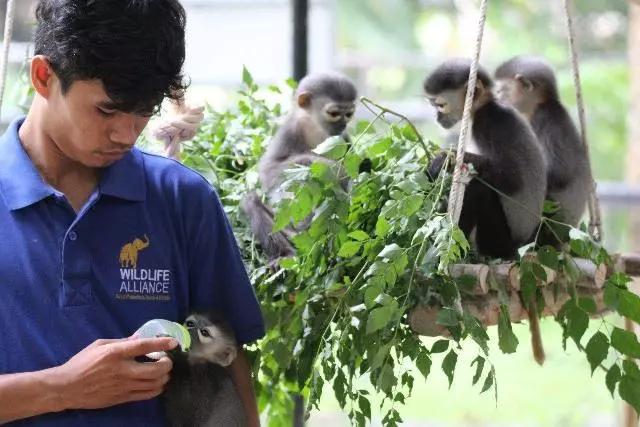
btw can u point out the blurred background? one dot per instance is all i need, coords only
(387, 46)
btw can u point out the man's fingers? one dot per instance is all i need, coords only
(139, 347)
(105, 341)
(151, 370)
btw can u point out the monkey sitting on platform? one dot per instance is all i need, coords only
(503, 203)
(528, 83)
(505, 155)
(324, 105)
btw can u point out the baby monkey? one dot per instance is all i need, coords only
(200, 391)
(528, 83)
(323, 107)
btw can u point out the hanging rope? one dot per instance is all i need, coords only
(457, 187)
(595, 222)
(8, 31)
(181, 125)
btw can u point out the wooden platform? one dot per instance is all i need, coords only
(483, 303)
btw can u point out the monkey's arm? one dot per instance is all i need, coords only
(496, 172)
(242, 379)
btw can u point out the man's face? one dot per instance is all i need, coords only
(86, 129)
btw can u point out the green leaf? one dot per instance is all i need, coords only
(359, 235)
(349, 248)
(449, 365)
(448, 317)
(410, 205)
(371, 294)
(488, 382)
(539, 272)
(626, 303)
(577, 321)
(339, 388)
(390, 251)
(333, 147)
(423, 363)
(409, 133)
(629, 390)
(382, 227)
(379, 318)
(625, 342)
(548, 257)
(440, 346)
(480, 361)
(365, 407)
(630, 368)
(613, 377)
(507, 340)
(387, 379)
(351, 164)
(381, 354)
(246, 77)
(597, 350)
(381, 146)
(588, 304)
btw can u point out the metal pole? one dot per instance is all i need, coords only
(300, 38)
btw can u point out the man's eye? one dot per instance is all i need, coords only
(106, 113)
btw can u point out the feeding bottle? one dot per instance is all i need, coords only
(156, 327)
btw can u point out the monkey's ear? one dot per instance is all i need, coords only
(525, 82)
(480, 89)
(228, 356)
(304, 99)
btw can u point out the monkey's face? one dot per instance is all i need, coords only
(517, 93)
(333, 116)
(449, 106)
(215, 343)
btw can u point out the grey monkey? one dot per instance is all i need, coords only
(200, 391)
(507, 156)
(324, 105)
(504, 152)
(528, 83)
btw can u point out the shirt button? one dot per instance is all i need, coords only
(73, 236)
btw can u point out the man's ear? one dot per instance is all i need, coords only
(42, 75)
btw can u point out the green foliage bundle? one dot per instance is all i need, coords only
(337, 312)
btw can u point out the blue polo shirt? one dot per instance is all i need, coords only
(153, 241)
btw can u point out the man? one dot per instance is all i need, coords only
(98, 237)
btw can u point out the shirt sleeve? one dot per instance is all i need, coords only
(217, 275)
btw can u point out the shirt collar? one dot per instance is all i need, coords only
(125, 178)
(22, 185)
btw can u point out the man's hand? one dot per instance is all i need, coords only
(105, 373)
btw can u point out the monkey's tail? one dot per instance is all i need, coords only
(536, 337)
(260, 216)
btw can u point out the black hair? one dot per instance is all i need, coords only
(454, 74)
(136, 48)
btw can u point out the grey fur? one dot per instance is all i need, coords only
(200, 392)
(568, 172)
(303, 129)
(504, 151)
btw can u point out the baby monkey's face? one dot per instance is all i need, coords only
(214, 344)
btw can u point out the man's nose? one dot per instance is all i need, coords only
(127, 129)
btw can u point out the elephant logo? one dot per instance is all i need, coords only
(129, 252)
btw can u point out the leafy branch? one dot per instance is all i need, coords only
(338, 312)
